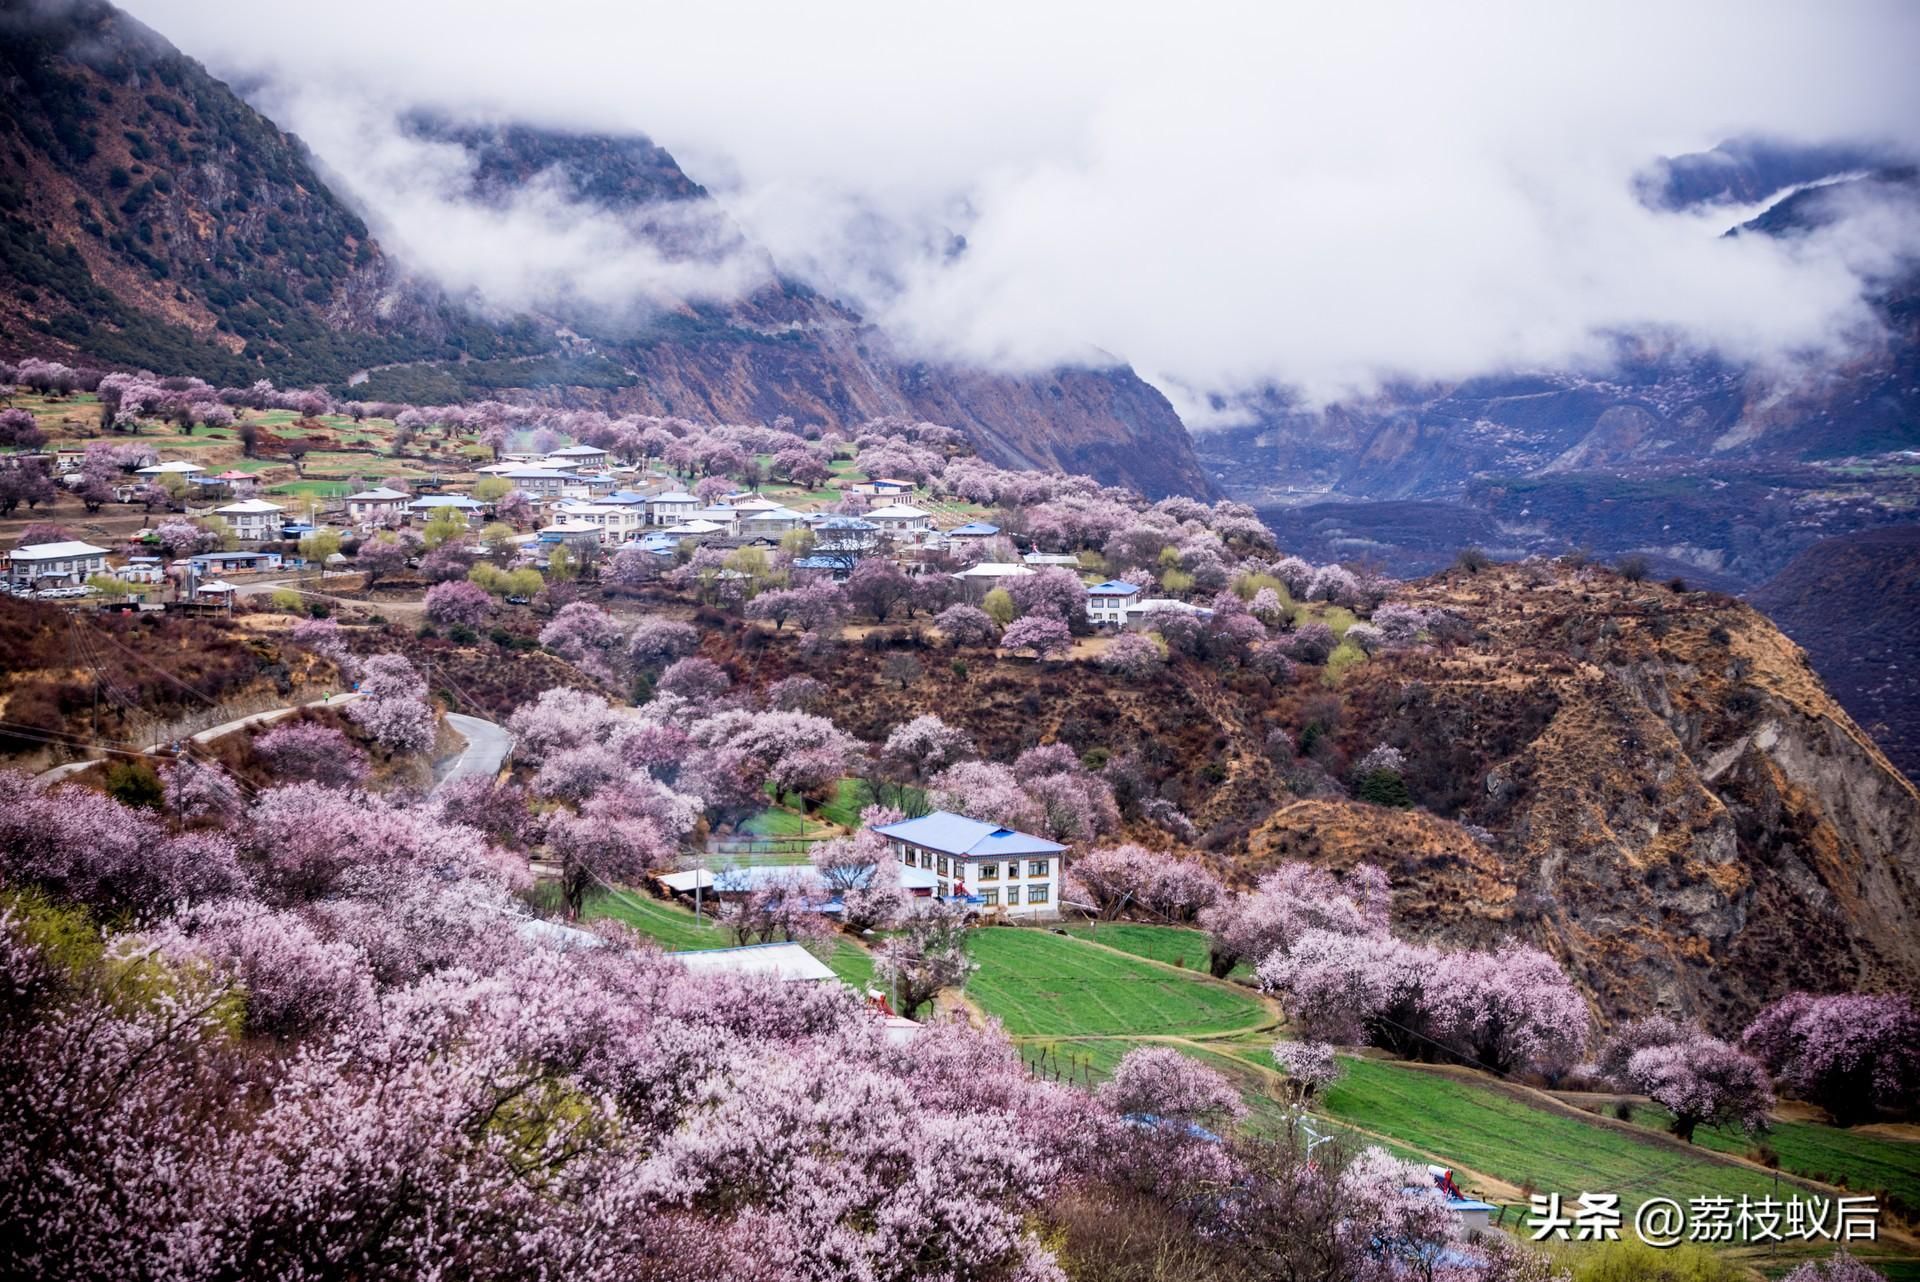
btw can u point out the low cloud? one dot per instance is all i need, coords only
(1231, 196)
(539, 246)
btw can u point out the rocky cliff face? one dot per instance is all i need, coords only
(1690, 822)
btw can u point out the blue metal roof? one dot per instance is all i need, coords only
(1114, 587)
(954, 834)
(974, 527)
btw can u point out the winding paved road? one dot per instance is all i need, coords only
(487, 748)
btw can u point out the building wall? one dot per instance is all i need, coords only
(1028, 886)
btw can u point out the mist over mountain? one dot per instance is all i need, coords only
(160, 222)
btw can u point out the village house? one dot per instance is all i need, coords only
(769, 523)
(672, 507)
(897, 519)
(788, 963)
(844, 534)
(972, 539)
(205, 563)
(616, 522)
(1137, 611)
(999, 870)
(253, 520)
(538, 481)
(142, 570)
(698, 530)
(719, 514)
(577, 456)
(574, 534)
(1040, 560)
(377, 506)
(985, 577)
(53, 564)
(172, 467)
(427, 504)
(883, 487)
(1107, 602)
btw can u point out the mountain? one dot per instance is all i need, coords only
(150, 218)
(1853, 602)
(1678, 807)
(1652, 785)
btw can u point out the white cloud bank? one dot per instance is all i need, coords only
(1226, 195)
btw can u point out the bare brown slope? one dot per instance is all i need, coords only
(1652, 785)
(1698, 826)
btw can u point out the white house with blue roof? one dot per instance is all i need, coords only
(1107, 602)
(972, 535)
(1001, 871)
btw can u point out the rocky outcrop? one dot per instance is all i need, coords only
(1695, 827)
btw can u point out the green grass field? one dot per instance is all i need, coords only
(1524, 1144)
(1041, 984)
(1180, 946)
(677, 930)
(1867, 1163)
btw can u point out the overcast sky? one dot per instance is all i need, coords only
(1225, 195)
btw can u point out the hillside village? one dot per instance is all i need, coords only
(1092, 803)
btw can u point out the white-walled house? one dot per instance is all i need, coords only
(1107, 602)
(974, 534)
(769, 523)
(999, 870)
(577, 456)
(900, 518)
(377, 506)
(172, 467)
(985, 577)
(844, 535)
(538, 481)
(671, 508)
(1138, 610)
(68, 562)
(254, 520)
(617, 522)
(427, 504)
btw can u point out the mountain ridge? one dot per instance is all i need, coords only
(158, 221)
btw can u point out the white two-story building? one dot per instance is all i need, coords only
(253, 520)
(999, 870)
(46, 564)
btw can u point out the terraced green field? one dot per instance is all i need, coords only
(1525, 1144)
(1042, 984)
(1866, 1163)
(1181, 946)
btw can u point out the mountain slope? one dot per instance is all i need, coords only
(1854, 603)
(1681, 811)
(150, 218)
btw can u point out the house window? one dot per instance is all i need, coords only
(1036, 868)
(989, 872)
(991, 898)
(943, 865)
(1036, 894)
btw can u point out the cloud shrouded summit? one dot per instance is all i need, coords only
(1227, 196)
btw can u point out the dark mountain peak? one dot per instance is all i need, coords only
(1741, 171)
(612, 171)
(1811, 208)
